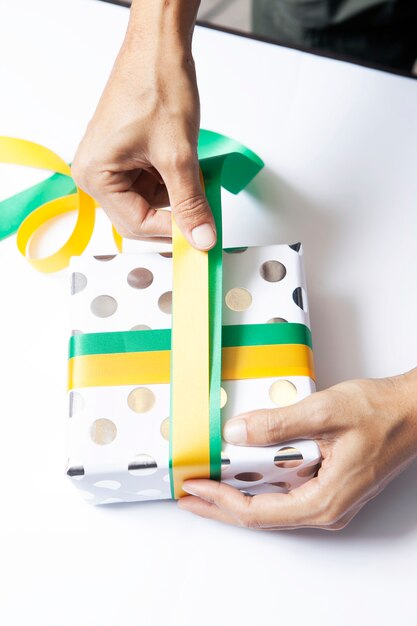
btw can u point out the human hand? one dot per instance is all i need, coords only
(139, 153)
(367, 434)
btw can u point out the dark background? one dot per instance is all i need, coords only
(376, 33)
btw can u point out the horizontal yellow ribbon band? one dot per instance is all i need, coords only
(151, 368)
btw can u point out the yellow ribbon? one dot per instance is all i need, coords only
(22, 152)
(152, 368)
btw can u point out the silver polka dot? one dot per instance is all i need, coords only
(78, 282)
(298, 296)
(76, 332)
(142, 465)
(277, 320)
(140, 278)
(249, 476)
(225, 462)
(282, 485)
(272, 271)
(141, 327)
(103, 306)
(288, 457)
(105, 257)
(235, 250)
(165, 302)
(76, 403)
(75, 471)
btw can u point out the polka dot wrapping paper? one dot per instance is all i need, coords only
(118, 435)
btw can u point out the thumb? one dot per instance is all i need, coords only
(189, 204)
(307, 419)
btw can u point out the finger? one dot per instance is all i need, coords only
(310, 418)
(202, 508)
(148, 184)
(298, 508)
(189, 203)
(132, 216)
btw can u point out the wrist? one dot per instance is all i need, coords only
(404, 392)
(164, 25)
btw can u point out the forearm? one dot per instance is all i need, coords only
(162, 24)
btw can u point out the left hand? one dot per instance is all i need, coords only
(367, 434)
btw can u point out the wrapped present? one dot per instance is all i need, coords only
(164, 350)
(120, 370)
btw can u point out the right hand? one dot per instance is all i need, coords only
(139, 152)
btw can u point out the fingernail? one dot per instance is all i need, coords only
(190, 488)
(203, 236)
(235, 431)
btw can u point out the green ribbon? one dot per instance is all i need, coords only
(224, 163)
(160, 339)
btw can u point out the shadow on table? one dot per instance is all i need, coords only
(337, 341)
(390, 515)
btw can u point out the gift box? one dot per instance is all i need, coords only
(119, 398)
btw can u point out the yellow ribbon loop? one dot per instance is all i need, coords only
(22, 152)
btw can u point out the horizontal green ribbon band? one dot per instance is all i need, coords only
(156, 340)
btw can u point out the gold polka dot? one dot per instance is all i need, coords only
(288, 458)
(249, 476)
(103, 431)
(223, 397)
(140, 278)
(310, 470)
(164, 428)
(283, 392)
(141, 327)
(272, 271)
(277, 320)
(165, 302)
(141, 399)
(166, 255)
(238, 299)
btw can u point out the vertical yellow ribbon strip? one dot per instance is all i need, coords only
(190, 405)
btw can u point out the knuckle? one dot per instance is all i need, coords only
(272, 426)
(81, 173)
(329, 517)
(192, 209)
(126, 233)
(181, 160)
(247, 517)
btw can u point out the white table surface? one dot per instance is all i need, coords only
(340, 145)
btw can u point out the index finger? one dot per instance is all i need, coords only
(299, 508)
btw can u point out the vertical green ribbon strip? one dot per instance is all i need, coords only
(224, 163)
